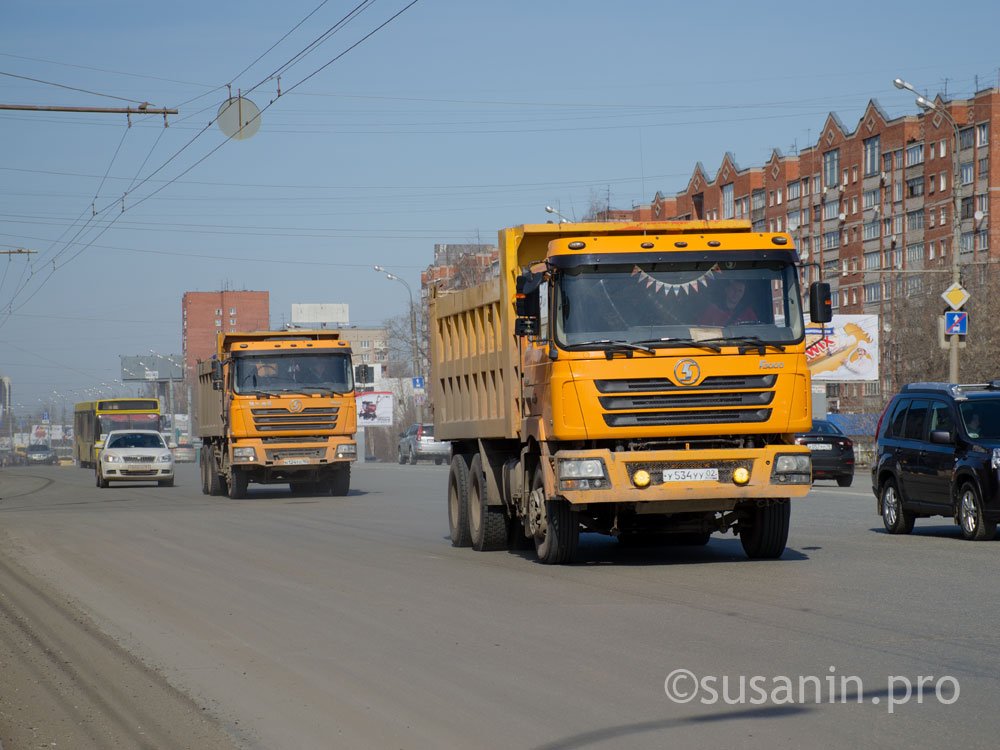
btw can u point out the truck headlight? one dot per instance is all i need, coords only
(792, 468)
(244, 455)
(347, 449)
(582, 474)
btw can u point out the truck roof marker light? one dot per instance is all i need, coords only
(243, 346)
(680, 243)
(577, 245)
(646, 245)
(779, 240)
(714, 243)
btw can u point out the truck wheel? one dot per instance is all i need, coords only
(458, 502)
(763, 529)
(340, 482)
(215, 486)
(204, 476)
(556, 542)
(238, 481)
(487, 525)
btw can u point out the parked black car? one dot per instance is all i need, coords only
(39, 453)
(938, 454)
(832, 452)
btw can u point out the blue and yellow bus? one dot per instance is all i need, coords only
(93, 420)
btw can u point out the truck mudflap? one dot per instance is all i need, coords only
(674, 479)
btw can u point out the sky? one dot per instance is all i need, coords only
(391, 134)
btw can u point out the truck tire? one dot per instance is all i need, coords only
(458, 502)
(340, 482)
(238, 480)
(487, 525)
(204, 475)
(215, 485)
(557, 544)
(763, 529)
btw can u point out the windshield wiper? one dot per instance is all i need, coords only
(672, 341)
(611, 347)
(746, 343)
(313, 389)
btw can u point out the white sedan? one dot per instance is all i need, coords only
(135, 456)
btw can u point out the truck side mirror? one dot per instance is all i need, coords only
(526, 303)
(820, 302)
(216, 375)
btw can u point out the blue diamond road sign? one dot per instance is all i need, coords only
(956, 323)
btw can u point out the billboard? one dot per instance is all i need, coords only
(845, 349)
(374, 409)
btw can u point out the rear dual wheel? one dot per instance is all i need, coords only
(487, 524)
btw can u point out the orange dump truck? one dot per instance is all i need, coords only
(277, 407)
(642, 380)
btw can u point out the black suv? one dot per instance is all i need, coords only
(938, 454)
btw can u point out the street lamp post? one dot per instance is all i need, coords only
(413, 328)
(956, 219)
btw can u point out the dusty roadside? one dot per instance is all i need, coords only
(64, 684)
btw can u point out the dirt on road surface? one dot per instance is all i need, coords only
(64, 684)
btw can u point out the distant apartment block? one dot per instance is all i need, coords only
(206, 314)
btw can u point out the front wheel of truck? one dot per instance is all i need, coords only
(238, 480)
(458, 502)
(340, 482)
(557, 537)
(763, 529)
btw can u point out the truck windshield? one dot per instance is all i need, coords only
(668, 304)
(293, 373)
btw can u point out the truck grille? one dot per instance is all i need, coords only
(315, 418)
(719, 399)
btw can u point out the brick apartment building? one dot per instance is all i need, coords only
(864, 206)
(205, 314)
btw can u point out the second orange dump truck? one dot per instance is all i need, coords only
(642, 380)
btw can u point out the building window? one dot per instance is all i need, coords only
(831, 209)
(871, 230)
(871, 156)
(887, 162)
(983, 239)
(872, 261)
(232, 321)
(218, 322)
(898, 158)
(831, 167)
(914, 155)
(873, 292)
(794, 190)
(817, 184)
(983, 134)
(942, 148)
(728, 209)
(805, 186)
(931, 184)
(794, 217)
(967, 208)
(232, 310)
(931, 250)
(831, 240)
(943, 183)
(965, 136)
(777, 196)
(915, 187)
(854, 173)
(915, 252)
(897, 191)
(845, 178)
(757, 200)
(965, 242)
(854, 204)
(915, 219)
(983, 203)
(984, 167)
(966, 172)
(218, 311)
(870, 198)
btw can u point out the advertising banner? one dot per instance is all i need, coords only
(374, 409)
(843, 350)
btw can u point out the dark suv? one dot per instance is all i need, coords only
(938, 454)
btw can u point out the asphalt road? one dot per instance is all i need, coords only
(301, 622)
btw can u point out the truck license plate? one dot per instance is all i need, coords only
(819, 446)
(690, 475)
(295, 461)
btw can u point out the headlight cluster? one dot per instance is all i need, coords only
(792, 468)
(244, 455)
(111, 458)
(347, 449)
(165, 458)
(582, 474)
